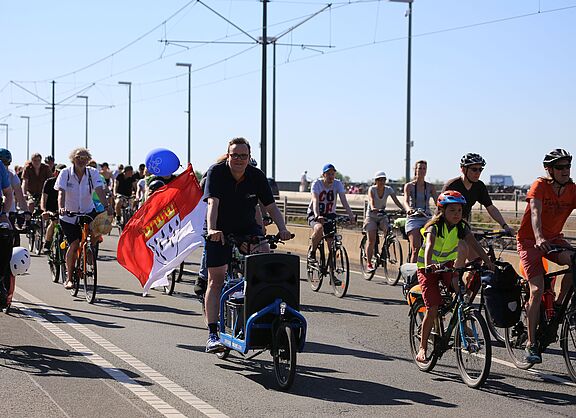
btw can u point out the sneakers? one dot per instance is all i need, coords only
(532, 354)
(370, 268)
(213, 345)
(337, 282)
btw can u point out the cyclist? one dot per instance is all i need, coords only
(375, 217)
(49, 205)
(124, 187)
(33, 177)
(75, 186)
(417, 194)
(446, 239)
(232, 191)
(325, 191)
(551, 200)
(6, 158)
(6, 240)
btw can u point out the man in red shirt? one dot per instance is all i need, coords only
(550, 201)
(33, 178)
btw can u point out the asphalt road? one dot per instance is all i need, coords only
(134, 356)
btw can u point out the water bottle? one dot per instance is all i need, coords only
(548, 300)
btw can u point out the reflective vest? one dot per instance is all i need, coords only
(445, 247)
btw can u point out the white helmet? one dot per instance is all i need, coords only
(20, 262)
(379, 174)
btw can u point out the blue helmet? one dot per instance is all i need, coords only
(328, 167)
(450, 196)
(5, 156)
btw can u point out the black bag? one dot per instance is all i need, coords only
(502, 295)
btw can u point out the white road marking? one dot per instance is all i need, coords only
(103, 364)
(141, 367)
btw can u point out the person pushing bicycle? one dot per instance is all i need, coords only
(550, 200)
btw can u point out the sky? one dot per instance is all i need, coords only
(492, 77)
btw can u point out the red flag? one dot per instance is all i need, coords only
(163, 231)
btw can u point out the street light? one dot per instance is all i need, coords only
(85, 98)
(129, 84)
(189, 66)
(6, 126)
(27, 135)
(408, 85)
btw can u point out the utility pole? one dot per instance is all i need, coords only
(189, 66)
(274, 108)
(263, 149)
(129, 84)
(53, 120)
(85, 98)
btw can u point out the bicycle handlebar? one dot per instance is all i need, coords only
(497, 233)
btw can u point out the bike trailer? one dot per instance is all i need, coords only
(502, 295)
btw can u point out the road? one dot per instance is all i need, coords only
(135, 356)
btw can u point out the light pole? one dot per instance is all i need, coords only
(189, 66)
(85, 98)
(6, 126)
(129, 84)
(27, 135)
(408, 86)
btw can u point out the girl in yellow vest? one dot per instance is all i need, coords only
(446, 240)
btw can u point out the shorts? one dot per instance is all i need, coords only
(374, 222)
(328, 228)
(429, 283)
(531, 258)
(218, 255)
(73, 232)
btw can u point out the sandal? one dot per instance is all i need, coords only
(69, 285)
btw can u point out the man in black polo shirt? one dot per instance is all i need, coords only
(49, 205)
(124, 186)
(232, 191)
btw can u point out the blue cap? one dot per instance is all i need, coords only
(328, 167)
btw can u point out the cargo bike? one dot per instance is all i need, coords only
(259, 309)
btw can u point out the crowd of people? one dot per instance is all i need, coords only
(238, 195)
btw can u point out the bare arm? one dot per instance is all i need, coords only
(212, 220)
(536, 220)
(395, 199)
(315, 205)
(276, 215)
(61, 201)
(102, 196)
(8, 196)
(497, 216)
(25, 186)
(371, 200)
(407, 188)
(346, 206)
(20, 200)
(429, 248)
(471, 241)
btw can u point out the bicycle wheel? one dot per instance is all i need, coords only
(497, 333)
(39, 237)
(515, 339)
(393, 261)
(223, 355)
(568, 342)
(169, 288)
(284, 355)
(76, 277)
(340, 272)
(90, 275)
(54, 261)
(368, 275)
(473, 349)
(180, 273)
(31, 235)
(415, 329)
(314, 275)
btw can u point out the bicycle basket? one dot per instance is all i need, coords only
(102, 224)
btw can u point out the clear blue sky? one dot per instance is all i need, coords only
(493, 77)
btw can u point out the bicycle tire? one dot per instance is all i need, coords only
(340, 272)
(54, 261)
(313, 275)
(393, 261)
(515, 339)
(76, 276)
(31, 235)
(479, 349)
(223, 355)
(90, 275)
(39, 239)
(568, 342)
(368, 275)
(284, 356)
(169, 288)
(414, 333)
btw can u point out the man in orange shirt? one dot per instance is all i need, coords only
(550, 201)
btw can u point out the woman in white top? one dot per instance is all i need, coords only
(375, 217)
(75, 186)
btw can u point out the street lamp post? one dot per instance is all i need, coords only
(5, 125)
(129, 84)
(189, 66)
(27, 135)
(85, 98)
(408, 86)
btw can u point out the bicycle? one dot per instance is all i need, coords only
(35, 232)
(466, 332)
(516, 337)
(85, 269)
(174, 277)
(57, 253)
(388, 256)
(259, 311)
(336, 265)
(126, 211)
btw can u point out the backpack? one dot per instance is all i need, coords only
(502, 295)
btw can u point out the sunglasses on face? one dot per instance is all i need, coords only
(476, 169)
(562, 166)
(242, 157)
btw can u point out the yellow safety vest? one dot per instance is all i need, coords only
(445, 247)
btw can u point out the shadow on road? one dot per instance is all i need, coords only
(330, 309)
(381, 301)
(319, 348)
(42, 361)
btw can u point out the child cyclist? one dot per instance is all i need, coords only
(447, 237)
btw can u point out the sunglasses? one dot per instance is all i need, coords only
(476, 169)
(242, 157)
(563, 166)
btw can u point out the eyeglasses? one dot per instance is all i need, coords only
(563, 166)
(242, 157)
(476, 169)
(82, 157)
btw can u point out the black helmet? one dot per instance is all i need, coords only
(471, 159)
(155, 185)
(5, 156)
(555, 155)
(48, 159)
